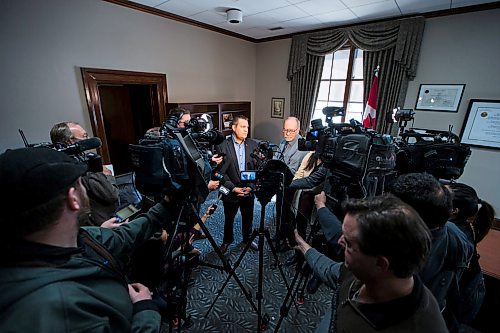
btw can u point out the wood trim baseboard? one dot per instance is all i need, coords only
(496, 224)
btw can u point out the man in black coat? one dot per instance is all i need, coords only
(237, 148)
(101, 186)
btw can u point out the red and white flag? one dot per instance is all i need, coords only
(370, 114)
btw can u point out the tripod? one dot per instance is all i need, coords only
(298, 285)
(184, 274)
(263, 233)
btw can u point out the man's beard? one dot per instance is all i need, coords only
(84, 213)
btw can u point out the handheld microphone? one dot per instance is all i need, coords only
(81, 146)
(223, 191)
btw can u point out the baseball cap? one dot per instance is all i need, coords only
(30, 177)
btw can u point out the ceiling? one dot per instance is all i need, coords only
(261, 18)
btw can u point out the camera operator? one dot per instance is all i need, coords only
(55, 275)
(451, 251)
(331, 227)
(237, 149)
(184, 117)
(376, 288)
(101, 186)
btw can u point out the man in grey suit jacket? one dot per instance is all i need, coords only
(237, 148)
(289, 147)
(290, 154)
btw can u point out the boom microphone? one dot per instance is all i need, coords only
(81, 146)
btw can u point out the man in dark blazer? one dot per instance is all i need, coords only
(237, 148)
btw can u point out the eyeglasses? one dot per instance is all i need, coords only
(289, 131)
(85, 136)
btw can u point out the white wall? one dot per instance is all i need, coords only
(44, 44)
(463, 49)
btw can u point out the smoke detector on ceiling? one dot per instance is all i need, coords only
(234, 16)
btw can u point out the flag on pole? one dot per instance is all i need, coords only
(370, 113)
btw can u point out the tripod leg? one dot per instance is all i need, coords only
(275, 256)
(260, 325)
(299, 279)
(236, 265)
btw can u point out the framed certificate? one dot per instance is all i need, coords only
(482, 124)
(439, 97)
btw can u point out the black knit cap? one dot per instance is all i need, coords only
(30, 177)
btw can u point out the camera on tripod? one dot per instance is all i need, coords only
(439, 153)
(357, 159)
(348, 148)
(176, 160)
(271, 174)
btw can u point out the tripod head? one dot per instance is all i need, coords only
(272, 177)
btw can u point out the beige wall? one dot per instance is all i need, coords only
(463, 49)
(44, 43)
(272, 65)
(455, 49)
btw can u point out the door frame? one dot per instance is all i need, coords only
(93, 77)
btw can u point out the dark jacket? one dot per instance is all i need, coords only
(53, 289)
(103, 194)
(417, 312)
(451, 253)
(471, 284)
(230, 169)
(317, 177)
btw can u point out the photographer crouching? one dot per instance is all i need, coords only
(55, 275)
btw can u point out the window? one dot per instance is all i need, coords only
(341, 84)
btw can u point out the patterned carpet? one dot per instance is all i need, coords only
(232, 312)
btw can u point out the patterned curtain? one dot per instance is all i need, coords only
(394, 46)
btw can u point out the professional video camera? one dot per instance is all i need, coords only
(348, 149)
(358, 159)
(76, 150)
(439, 153)
(176, 160)
(270, 175)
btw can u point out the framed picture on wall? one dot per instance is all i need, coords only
(227, 119)
(277, 107)
(439, 97)
(482, 124)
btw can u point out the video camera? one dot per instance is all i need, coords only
(348, 148)
(76, 150)
(176, 160)
(439, 153)
(271, 174)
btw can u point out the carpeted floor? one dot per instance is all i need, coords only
(232, 311)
